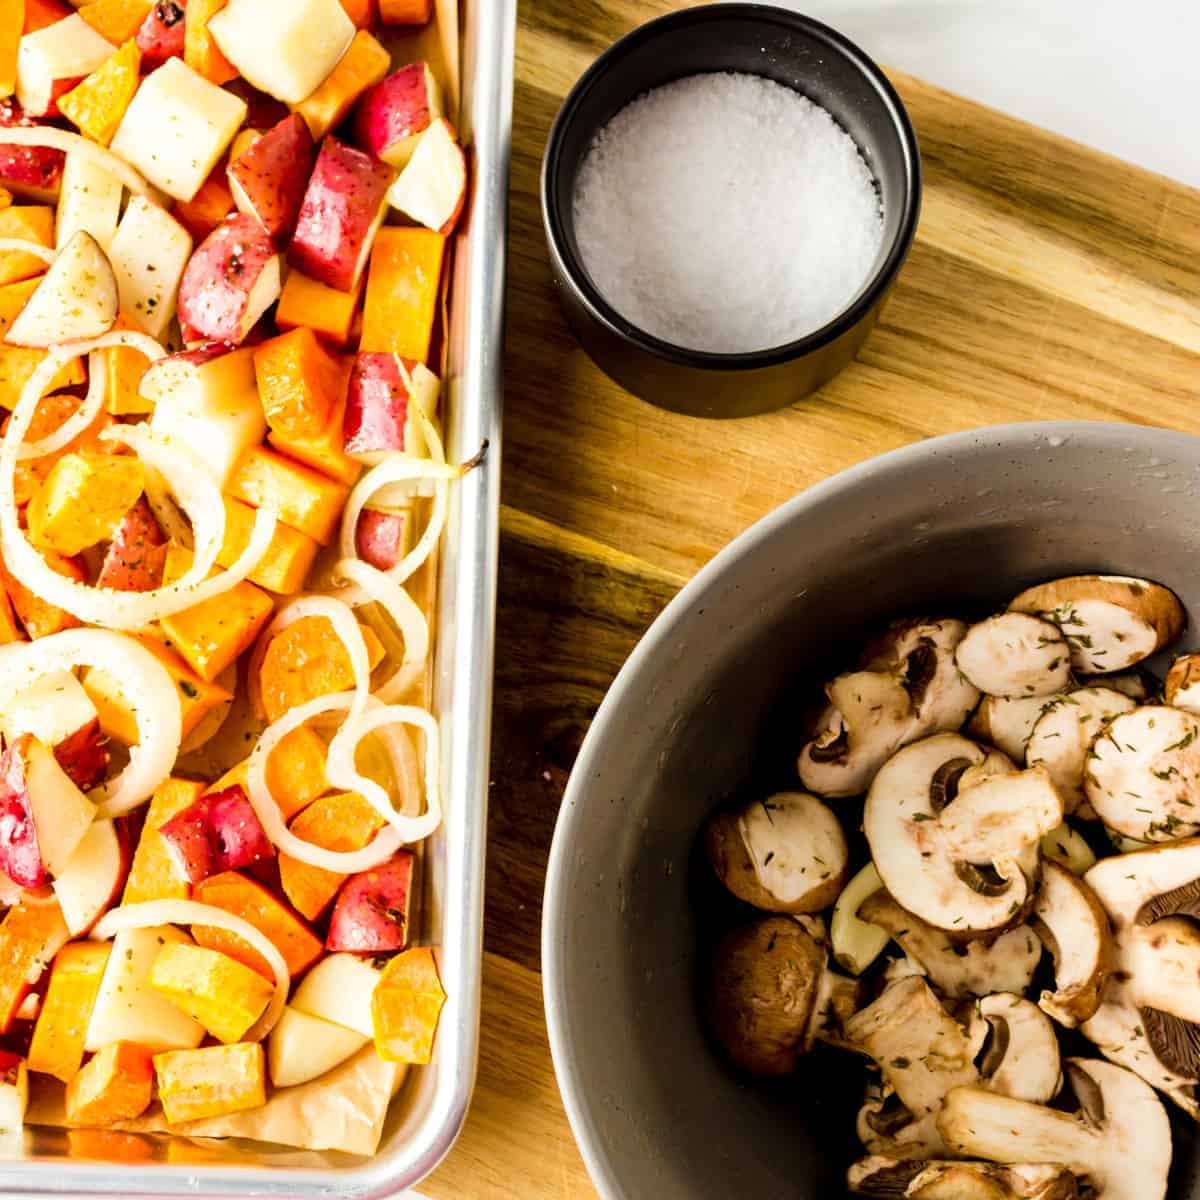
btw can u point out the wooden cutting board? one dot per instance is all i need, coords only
(1047, 280)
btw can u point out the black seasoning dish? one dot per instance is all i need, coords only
(789, 49)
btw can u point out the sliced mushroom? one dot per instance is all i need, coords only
(908, 687)
(1069, 919)
(1068, 847)
(1020, 1058)
(1150, 1016)
(838, 998)
(963, 859)
(785, 854)
(1119, 1140)
(1014, 654)
(1063, 734)
(763, 986)
(1143, 776)
(1137, 684)
(1110, 622)
(922, 1052)
(885, 1127)
(1182, 686)
(1007, 721)
(974, 969)
(880, 1176)
(857, 943)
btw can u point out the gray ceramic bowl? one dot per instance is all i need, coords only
(704, 709)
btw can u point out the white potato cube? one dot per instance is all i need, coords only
(148, 256)
(128, 1009)
(213, 408)
(68, 49)
(339, 989)
(51, 709)
(285, 50)
(302, 1047)
(177, 127)
(90, 200)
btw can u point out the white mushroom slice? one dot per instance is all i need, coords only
(1120, 1140)
(886, 1128)
(1137, 684)
(878, 1175)
(1125, 845)
(837, 1000)
(1021, 1059)
(1143, 774)
(1062, 735)
(1068, 847)
(785, 854)
(1014, 654)
(908, 687)
(1007, 721)
(975, 969)
(960, 859)
(1182, 686)
(856, 943)
(920, 1049)
(1110, 622)
(1072, 924)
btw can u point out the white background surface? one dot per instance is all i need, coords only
(1120, 75)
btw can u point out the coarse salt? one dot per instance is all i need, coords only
(728, 213)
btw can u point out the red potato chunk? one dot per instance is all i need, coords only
(380, 538)
(135, 558)
(269, 179)
(231, 280)
(342, 210)
(219, 832)
(32, 172)
(186, 837)
(161, 34)
(83, 755)
(391, 116)
(20, 855)
(376, 420)
(370, 915)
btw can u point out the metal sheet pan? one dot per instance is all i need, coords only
(426, 1116)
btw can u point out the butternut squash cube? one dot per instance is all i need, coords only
(221, 993)
(28, 223)
(123, 369)
(325, 450)
(97, 104)
(211, 1081)
(286, 563)
(82, 500)
(325, 310)
(403, 285)
(50, 413)
(38, 617)
(304, 499)
(406, 1005)
(295, 771)
(116, 1085)
(30, 936)
(211, 635)
(58, 1036)
(155, 873)
(298, 382)
(116, 20)
(361, 67)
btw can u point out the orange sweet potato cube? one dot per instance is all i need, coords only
(97, 104)
(295, 772)
(124, 367)
(208, 207)
(58, 1036)
(402, 292)
(38, 617)
(361, 12)
(200, 51)
(28, 223)
(41, 13)
(303, 498)
(405, 12)
(252, 902)
(211, 1081)
(286, 563)
(341, 821)
(224, 995)
(115, 1085)
(51, 412)
(212, 634)
(298, 382)
(406, 1005)
(116, 20)
(325, 449)
(324, 310)
(363, 65)
(30, 936)
(155, 873)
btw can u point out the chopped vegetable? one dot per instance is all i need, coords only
(402, 292)
(224, 995)
(115, 1086)
(97, 104)
(211, 1081)
(406, 1006)
(58, 1036)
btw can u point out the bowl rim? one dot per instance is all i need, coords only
(876, 285)
(1013, 437)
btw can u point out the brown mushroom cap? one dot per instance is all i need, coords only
(1110, 621)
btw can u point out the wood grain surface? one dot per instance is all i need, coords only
(1047, 280)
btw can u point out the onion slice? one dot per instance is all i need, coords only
(71, 143)
(192, 912)
(341, 771)
(385, 843)
(146, 684)
(25, 246)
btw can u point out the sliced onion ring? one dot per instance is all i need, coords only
(145, 683)
(341, 771)
(370, 585)
(385, 843)
(192, 912)
(25, 246)
(71, 143)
